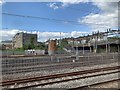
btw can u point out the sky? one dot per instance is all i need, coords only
(51, 20)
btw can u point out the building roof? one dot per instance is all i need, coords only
(7, 41)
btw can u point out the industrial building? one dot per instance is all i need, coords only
(6, 45)
(97, 42)
(24, 39)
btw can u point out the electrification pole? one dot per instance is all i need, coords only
(106, 43)
(77, 56)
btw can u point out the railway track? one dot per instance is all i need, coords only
(25, 65)
(67, 80)
(92, 85)
(51, 67)
(18, 65)
(19, 56)
(34, 79)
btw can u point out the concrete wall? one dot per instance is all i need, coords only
(17, 40)
(27, 39)
(22, 39)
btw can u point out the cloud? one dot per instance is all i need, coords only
(108, 18)
(84, 1)
(8, 34)
(65, 3)
(53, 5)
(42, 36)
(2, 2)
(69, 2)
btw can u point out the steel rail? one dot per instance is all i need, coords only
(66, 80)
(89, 86)
(24, 80)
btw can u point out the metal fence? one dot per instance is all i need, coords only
(21, 66)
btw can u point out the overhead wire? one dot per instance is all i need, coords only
(51, 19)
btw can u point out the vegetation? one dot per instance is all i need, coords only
(40, 46)
(19, 49)
(63, 43)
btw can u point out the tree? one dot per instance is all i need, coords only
(31, 45)
(63, 44)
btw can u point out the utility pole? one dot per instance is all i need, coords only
(109, 46)
(83, 45)
(13, 46)
(90, 43)
(106, 43)
(60, 40)
(96, 40)
(118, 40)
(77, 54)
(94, 45)
(90, 46)
(83, 48)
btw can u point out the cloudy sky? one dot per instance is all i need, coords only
(71, 18)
